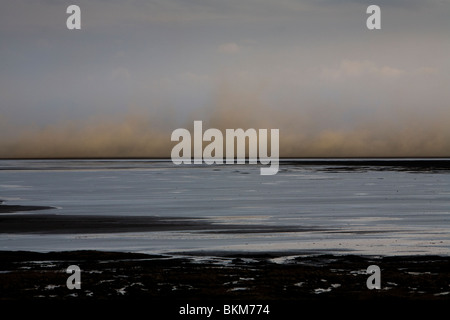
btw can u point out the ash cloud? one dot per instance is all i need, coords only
(315, 130)
(308, 68)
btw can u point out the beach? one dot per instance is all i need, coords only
(194, 240)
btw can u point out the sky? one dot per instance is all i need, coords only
(137, 70)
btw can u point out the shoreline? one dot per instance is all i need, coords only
(347, 164)
(289, 239)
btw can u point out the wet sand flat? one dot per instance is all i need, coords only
(73, 224)
(18, 208)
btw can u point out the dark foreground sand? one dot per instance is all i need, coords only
(169, 282)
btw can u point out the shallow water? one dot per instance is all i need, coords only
(364, 209)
